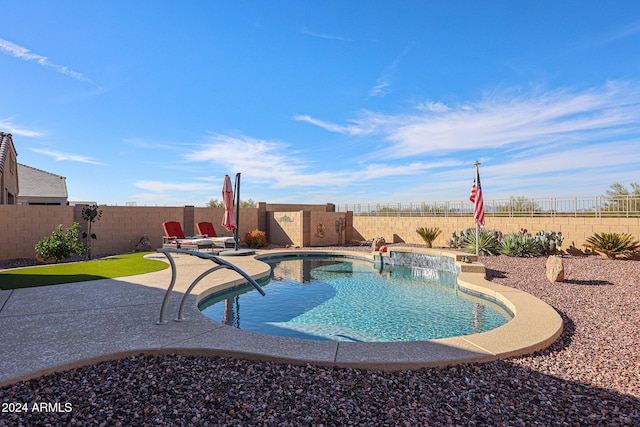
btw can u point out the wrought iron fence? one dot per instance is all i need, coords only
(597, 206)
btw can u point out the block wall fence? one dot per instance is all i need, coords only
(121, 227)
(575, 230)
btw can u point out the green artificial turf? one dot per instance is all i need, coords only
(106, 268)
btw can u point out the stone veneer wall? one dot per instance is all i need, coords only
(574, 230)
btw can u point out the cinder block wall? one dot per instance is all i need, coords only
(285, 228)
(22, 226)
(574, 230)
(248, 221)
(121, 227)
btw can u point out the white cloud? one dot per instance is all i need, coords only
(436, 107)
(508, 120)
(23, 53)
(381, 88)
(278, 166)
(368, 124)
(325, 36)
(6, 125)
(60, 156)
(383, 83)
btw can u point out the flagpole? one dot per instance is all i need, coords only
(477, 163)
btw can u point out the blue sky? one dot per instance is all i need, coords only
(154, 102)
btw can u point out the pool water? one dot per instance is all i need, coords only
(347, 299)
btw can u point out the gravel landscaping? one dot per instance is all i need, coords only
(590, 376)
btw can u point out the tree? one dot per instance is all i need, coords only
(619, 190)
(621, 199)
(215, 203)
(519, 204)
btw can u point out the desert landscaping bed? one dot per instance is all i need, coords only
(590, 376)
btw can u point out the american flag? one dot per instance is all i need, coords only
(476, 199)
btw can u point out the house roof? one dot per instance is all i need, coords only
(38, 183)
(6, 144)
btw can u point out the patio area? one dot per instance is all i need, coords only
(589, 376)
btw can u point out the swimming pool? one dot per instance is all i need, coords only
(341, 298)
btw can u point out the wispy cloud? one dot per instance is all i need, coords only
(66, 157)
(383, 84)
(507, 120)
(278, 165)
(325, 36)
(25, 54)
(621, 33)
(363, 126)
(7, 125)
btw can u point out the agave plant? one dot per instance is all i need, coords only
(521, 245)
(613, 245)
(488, 242)
(429, 234)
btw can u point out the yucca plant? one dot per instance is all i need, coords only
(488, 242)
(429, 234)
(520, 245)
(613, 245)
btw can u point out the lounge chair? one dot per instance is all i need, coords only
(206, 229)
(174, 238)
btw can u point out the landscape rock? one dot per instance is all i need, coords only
(555, 269)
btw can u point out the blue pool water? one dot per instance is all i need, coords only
(347, 299)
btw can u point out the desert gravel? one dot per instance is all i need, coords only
(590, 376)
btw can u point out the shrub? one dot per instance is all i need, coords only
(520, 245)
(488, 242)
(61, 245)
(549, 241)
(428, 234)
(458, 241)
(256, 239)
(613, 245)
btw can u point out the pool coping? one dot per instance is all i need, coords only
(535, 324)
(55, 328)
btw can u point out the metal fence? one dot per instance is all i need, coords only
(597, 206)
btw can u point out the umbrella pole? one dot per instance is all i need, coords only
(236, 192)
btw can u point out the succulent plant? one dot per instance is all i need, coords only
(429, 234)
(521, 245)
(613, 245)
(550, 241)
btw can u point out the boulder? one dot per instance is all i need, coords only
(378, 243)
(555, 269)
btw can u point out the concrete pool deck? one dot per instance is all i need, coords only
(54, 328)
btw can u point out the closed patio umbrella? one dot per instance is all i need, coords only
(228, 220)
(230, 193)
